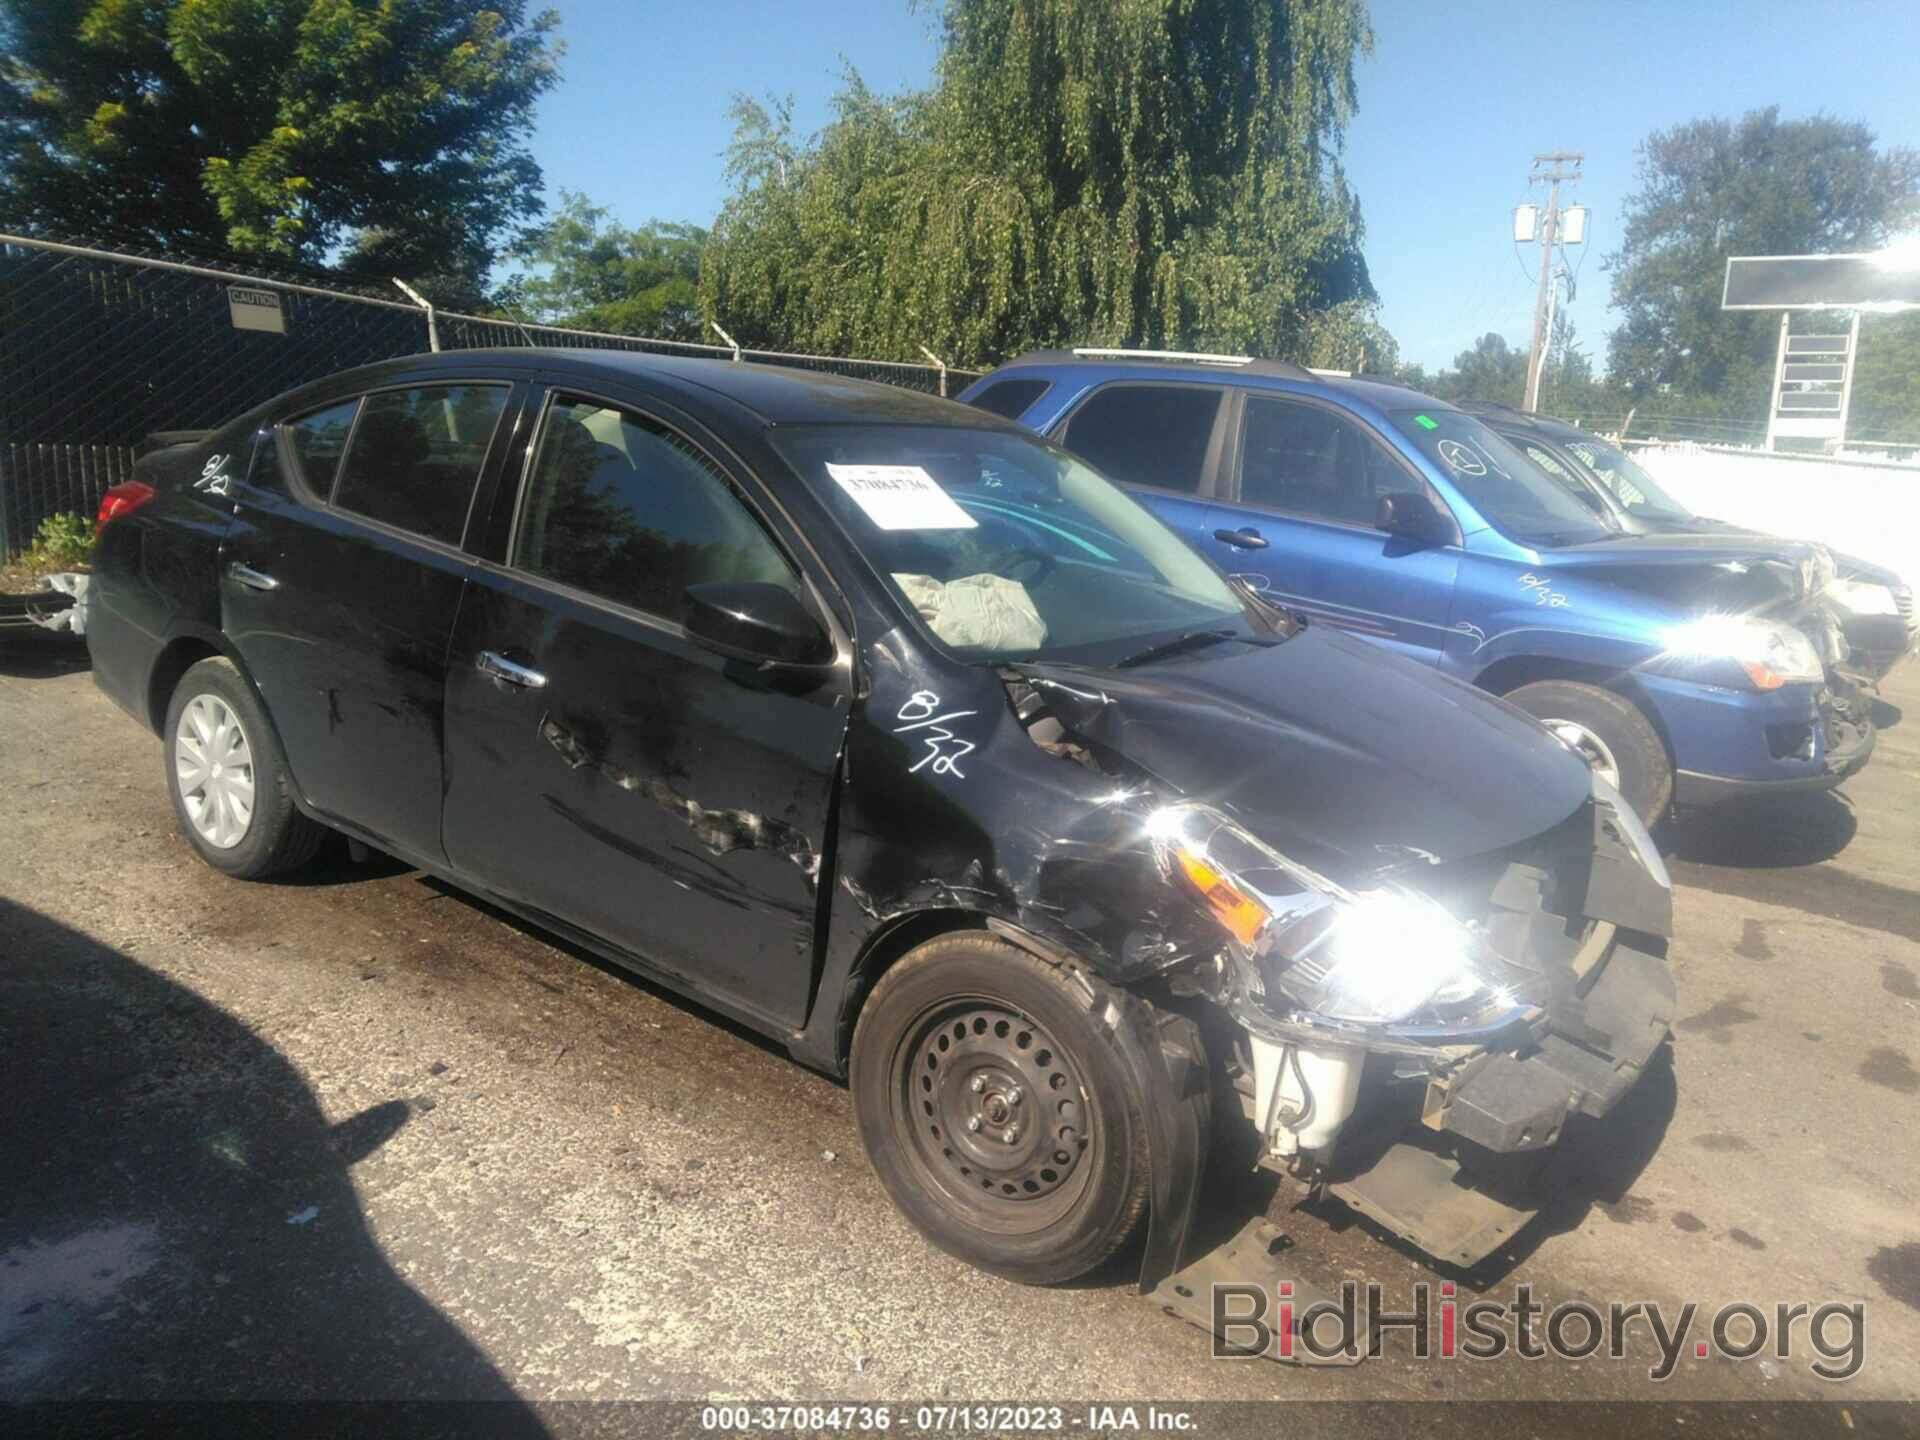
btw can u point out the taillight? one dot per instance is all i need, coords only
(123, 499)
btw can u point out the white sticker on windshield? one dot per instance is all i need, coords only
(900, 497)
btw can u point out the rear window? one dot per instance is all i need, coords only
(416, 456)
(1010, 399)
(1147, 434)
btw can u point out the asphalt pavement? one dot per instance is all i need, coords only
(356, 1135)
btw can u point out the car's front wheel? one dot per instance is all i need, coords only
(998, 1111)
(232, 792)
(1607, 731)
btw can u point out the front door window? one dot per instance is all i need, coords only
(623, 509)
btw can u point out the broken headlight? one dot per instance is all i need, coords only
(1378, 957)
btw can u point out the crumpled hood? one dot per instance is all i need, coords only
(1726, 572)
(1340, 756)
(1676, 548)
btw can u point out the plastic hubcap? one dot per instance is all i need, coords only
(213, 762)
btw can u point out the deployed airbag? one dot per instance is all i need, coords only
(986, 611)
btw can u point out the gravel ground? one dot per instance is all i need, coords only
(360, 1136)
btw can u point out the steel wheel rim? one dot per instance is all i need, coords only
(1008, 1162)
(1588, 746)
(213, 763)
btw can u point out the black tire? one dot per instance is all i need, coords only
(275, 837)
(1646, 774)
(1071, 1187)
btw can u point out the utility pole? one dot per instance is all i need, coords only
(1562, 166)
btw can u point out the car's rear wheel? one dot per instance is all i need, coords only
(231, 790)
(997, 1109)
(1611, 734)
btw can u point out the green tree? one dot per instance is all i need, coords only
(1713, 188)
(1886, 379)
(1132, 172)
(1570, 388)
(597, 274)
(390, 137)
(1493, 369)
(1490, 370)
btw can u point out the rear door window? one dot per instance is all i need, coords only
(318, 441)
(416, 457)
(1154, 435)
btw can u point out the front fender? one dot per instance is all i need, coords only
(1522, 634)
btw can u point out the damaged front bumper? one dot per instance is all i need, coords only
(1583, 1059)
(1403, 1122)
(1823, 753)
(1443, 1196)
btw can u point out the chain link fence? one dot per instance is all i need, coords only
(1702, 429)
(100, 349)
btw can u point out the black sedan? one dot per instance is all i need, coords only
(906, 738)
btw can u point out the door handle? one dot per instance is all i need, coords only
(498, 667)
(1247, 538)
(246, 575)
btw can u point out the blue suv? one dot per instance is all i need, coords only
(1690, 668)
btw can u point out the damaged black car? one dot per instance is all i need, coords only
(904, 737)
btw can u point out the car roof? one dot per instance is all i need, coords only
(1505, 417)
(1379, 391)
(774, 394)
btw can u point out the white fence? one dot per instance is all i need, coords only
(1866, 508)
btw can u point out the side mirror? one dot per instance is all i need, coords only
(1413, 515)
(752, 620)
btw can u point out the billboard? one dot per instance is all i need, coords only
(1888, 279)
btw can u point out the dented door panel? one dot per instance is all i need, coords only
(666, 799)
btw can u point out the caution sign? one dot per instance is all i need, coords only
(256, 309)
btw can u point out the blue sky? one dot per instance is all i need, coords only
(1454, 102)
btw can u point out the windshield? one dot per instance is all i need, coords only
(1520, 500)
(1008, 548)
(1629, 484)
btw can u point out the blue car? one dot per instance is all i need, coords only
(1685, 667)
(1874, 605)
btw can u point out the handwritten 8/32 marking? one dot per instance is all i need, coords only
(1542, 591)
(945, 750)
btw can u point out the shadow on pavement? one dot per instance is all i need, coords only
(626, 975)
(1764, 834)
(338, 863)
(1773, 853)
(1595, 1165)
(38, 655)
(178, 1222)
